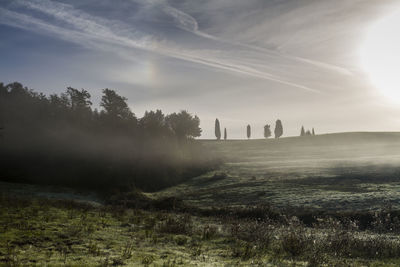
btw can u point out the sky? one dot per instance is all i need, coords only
(243, 62)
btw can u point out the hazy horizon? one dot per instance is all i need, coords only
(304, 62)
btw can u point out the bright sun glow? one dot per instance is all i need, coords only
(380, 56)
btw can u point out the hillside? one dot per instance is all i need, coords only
(327, 200)
(342, 171)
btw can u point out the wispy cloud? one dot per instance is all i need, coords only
(75, 25)
(187, 22)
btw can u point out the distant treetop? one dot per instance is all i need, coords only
(267, 131)
(115, 105)
(278, 129)
(217, 129)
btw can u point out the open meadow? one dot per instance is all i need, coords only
(169, 133)
(334, 172)
(329, 200)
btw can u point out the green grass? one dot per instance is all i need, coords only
(42, 232)
(38, 232)
(323, 201)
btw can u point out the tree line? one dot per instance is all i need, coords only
(62, 139)
(306, 133)
(278, 132)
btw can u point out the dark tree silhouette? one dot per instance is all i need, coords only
(154, 124)
(217, 129)
(278, 129)
(313, 132)
(308, 133)
(248, 131)
(225, 134)
(267, 131)
(115, 105)
(303, 132)
(3, 92)
(60, 140)
(61, 102)
(79, 100)
(184, 125)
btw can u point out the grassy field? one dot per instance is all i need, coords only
(37, 231)
(329, 200)
(349, 171)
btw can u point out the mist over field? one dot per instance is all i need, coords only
(199, 133)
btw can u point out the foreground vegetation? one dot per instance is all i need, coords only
(41, 232)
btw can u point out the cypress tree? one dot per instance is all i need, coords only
(267, 131)
(225, 135)
(278, 129)
(217, 130)
(302, 133)
(248, 131)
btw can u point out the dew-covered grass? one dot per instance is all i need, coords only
(318, 201)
